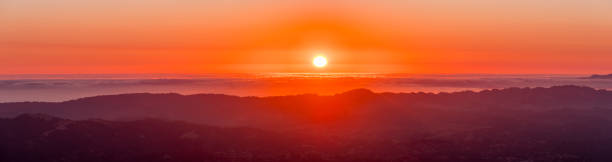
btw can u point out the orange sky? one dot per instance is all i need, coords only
(156, 36)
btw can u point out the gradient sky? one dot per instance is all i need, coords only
(234, 36)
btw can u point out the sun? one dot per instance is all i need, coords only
(319, 61)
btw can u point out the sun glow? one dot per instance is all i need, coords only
(319, 61)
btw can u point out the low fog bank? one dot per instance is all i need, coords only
(66, 88)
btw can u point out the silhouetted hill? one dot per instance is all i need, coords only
(350, 109)
(556, 135)
(35, 137)
(563, 123)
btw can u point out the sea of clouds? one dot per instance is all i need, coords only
(54, 88)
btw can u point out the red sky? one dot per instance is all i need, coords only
(156, 36)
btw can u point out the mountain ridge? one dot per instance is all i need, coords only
(353, 91)
(563, 123)
(350, 107)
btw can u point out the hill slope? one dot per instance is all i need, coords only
(554, 136)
